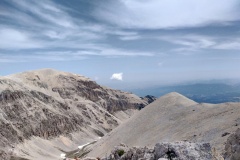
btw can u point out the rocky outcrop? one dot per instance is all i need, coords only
(183, 151)
(232, 147)
(163, 151)
(149, 98)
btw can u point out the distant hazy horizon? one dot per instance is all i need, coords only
(123, 44)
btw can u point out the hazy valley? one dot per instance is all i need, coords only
(214, 92)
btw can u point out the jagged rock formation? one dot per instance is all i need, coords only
(149, 98)
(163, 151)
(232, 147)
(48, 103)
(172, 118)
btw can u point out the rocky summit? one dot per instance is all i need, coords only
(46, 112)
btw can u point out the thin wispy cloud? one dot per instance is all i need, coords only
(167, 13)
(53, 27)
(129, 38)
(230, 44)
(192, 43)
(38, 57)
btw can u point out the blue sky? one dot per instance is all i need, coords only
(123, 43)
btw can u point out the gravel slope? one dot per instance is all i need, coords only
(171, 118)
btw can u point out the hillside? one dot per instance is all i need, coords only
(171, 118)
(45, 112)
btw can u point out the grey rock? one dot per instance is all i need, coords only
(164, 151)
(89, 158)
(4, 155)
(183, 150)
(149, 98)
(232, 147)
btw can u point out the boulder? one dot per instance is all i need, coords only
(183, 150)
(232, 147)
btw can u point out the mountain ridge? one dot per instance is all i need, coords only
(39, 106)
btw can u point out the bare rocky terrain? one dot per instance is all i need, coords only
(46, 112)
(172, 118)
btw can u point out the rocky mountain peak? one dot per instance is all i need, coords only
(48, 103)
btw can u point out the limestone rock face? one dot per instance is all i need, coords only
(163, 151)
(49, 103)
(232, 147)
(183, 150)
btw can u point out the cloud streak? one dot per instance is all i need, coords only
(47, 31)
(47, 26)
(193, 42)
(153, 14)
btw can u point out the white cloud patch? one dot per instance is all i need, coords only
(191, 42)
(117, 76)
(168, 13)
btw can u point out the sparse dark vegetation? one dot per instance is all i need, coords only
(120, 152)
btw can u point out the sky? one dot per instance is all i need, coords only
(123, 43)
